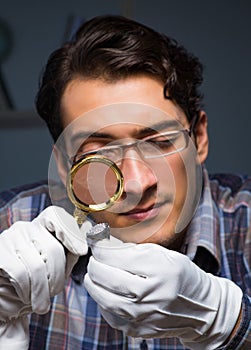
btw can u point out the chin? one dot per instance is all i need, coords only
(173, 242)
(159, 238)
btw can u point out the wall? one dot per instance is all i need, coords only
(218, 32)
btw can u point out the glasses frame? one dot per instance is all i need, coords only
(135, 143)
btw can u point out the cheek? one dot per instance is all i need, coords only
(188, 182)
(173, 178)
(180, 176)
(100, 217)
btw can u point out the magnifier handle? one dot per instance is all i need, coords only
(79, 216)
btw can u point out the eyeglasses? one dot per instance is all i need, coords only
(158, 145)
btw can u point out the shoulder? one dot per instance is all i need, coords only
(233, 182)
(23, 203)
(231, 189)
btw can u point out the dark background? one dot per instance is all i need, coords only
(218, 31)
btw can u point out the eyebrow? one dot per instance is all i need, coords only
(163, 125)
(160, 126)
(86, 134)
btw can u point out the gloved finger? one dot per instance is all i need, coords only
(129, 325)
(10, 265)
(15, 334)
(65, 228)
(10, 303)
(109, 301)
(115, 280)
(108, 251)
(71, 260)
(116, 321)
(45, 264)
(125, 256)
(35, 262)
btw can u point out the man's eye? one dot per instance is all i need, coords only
(91, 146)
(163, 140)
(107, 152)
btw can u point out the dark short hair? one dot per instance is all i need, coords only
(113, 48)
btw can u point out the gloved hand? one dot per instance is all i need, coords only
(149, 291)
(35, 259)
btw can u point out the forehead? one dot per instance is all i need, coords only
(123, 119)
(81, 97)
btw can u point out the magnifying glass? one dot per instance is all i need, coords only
(94, 183)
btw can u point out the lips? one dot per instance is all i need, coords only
(140, 214)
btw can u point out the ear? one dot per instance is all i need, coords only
(201, 136)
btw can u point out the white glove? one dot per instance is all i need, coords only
(146, 291)
(35, 259)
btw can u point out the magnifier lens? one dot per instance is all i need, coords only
(94, 183)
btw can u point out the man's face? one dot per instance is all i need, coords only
(155, 190)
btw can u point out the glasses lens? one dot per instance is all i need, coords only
(113, 153)
(163, 144)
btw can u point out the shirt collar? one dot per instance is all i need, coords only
(203, 231)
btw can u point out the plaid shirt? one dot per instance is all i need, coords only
(218, 240)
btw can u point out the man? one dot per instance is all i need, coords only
(169, 277)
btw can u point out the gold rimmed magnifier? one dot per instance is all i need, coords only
(94, 183)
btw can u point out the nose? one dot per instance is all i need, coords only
(138, 175)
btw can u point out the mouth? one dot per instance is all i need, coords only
(144, 213)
